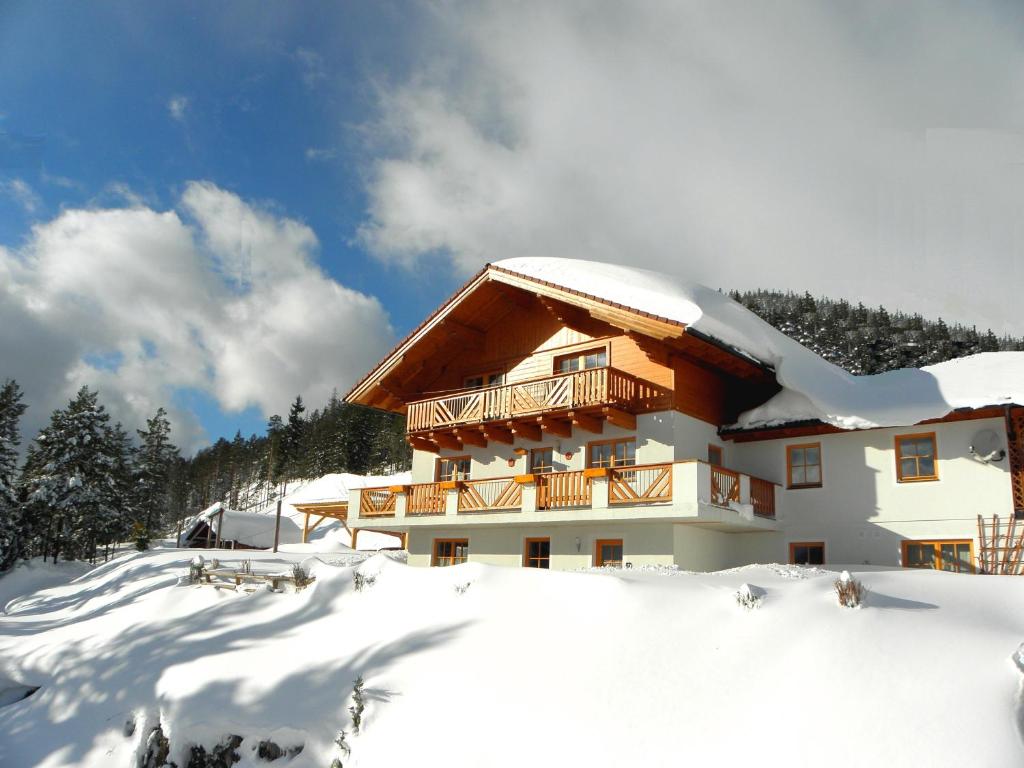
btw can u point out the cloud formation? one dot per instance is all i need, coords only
(869, 151)
(21, 193)
(217, 296)
(177, 105)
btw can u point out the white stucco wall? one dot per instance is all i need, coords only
(642, 543)
(661, 437)
(861, 512)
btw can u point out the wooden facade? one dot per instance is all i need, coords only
(510, 356)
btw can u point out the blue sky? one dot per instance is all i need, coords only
(271, 104)
(217, 206)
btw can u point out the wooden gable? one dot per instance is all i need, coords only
(508, 324)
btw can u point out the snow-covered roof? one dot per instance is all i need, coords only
(812, 388)
(249, 528)
(336, 487)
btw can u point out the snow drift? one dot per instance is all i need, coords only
(475, 665)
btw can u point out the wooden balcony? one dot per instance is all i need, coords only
(616, 391)
(573, 492)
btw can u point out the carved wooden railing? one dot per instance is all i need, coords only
(725, 486)
(762, 496)
(425, 499)
(639, 485)
(486, 495)
(377, 502)
(556, 490)
(580, 389)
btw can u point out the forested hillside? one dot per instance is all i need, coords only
(86, 483)
(864, 340)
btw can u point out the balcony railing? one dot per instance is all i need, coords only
(503, 493)
(627, 486)
(638, 485)
(558, 490)
(581, 389)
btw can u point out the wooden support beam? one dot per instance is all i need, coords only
(575, 318)
(446, 440)
(422, 444)
(355, 536)
(471, 437)
(305, 529)
(619, 418)
(468, 333)
(497, 434)
(587, 422)
(525, 430)
(559, 427)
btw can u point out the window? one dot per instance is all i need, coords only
(541, 460)
(484, 379)
(941, 555)
(612, 453)
(714, 455)
(453, 468)
(450, 551)
(608, 552)
(537, 553)
(807, 553)
(577, 361)
(803, 465)
(916, 458)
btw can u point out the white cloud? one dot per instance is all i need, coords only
(313, 68)
(219, 296)
(869, 150)
(21, 193)
(177, 105)
(314, 154)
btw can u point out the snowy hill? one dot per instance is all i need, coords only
(483, 666)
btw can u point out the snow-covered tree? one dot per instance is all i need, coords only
(12, 534)
(71, 483)
(154, 460)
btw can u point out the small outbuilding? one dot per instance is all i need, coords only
(220, 527)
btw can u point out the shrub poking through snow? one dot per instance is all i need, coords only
(851, 592)
(358, 704)
(342, 744)
(299, 576)
(748, 596)
(460, 589)
(361, 581)
(195, 569)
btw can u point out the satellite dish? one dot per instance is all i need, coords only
(986, 446)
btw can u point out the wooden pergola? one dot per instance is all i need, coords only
(336, 510)
(321, 510)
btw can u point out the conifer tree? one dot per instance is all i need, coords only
(154, 460)
(12, 523)
(71, 484)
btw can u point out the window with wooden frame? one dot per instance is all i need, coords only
(620, 452)
(537, 553)
(916, 458)
(807, 553)
(453, 468)
(578, 361)
(955, 555)
(714, 455)
(608, 552)
(492, 379)
(542, 460)
(803, 465)
(450, 552)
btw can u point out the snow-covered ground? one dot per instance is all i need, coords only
(483, 666)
